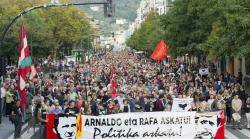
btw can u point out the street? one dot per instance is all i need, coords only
(125, 69)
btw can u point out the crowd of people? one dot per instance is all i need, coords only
(120, 82)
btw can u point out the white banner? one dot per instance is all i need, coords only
(158, 125)
(150, 125)
(181, 104)
(203, 71)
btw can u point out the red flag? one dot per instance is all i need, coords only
(220, 134)
(114, 92)
(24, 63)
(50, 134)
(160, 51)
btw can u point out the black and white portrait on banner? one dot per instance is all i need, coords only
(181, 104)
(65, 127)
(207, 127)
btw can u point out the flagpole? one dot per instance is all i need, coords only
(31, 38)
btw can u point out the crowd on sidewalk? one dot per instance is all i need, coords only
(117, 82)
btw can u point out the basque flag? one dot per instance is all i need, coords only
(24, 63)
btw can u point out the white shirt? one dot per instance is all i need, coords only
(3, 92)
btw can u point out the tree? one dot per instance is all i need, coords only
(213, 27)
(147, 35)
(48, 30)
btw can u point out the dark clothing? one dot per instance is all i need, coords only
(105, 98)
(125, 109)
(147, 107)
(8, 108)
(73, 110)
(214, 105)
(159, 105)
(248, 108)
(229, 109)
(94, 108)
(43, 114)
(17, 120)
(131, 103)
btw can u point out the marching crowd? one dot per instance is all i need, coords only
(120, 82)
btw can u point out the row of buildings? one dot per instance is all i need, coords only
(118, 37)
(159, 6)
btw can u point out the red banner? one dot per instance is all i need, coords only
(50, 134)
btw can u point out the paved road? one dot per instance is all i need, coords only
(6, 128)
(237, 134)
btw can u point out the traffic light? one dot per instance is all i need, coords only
(109, 8)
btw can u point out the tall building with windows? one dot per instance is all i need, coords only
(159, 6)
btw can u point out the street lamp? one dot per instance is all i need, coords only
(56, 3)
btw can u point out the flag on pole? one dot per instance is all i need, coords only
(24, 63)
(160, 51)
(79, 130)
(112, 81)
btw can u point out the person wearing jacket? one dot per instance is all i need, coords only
(17, 114)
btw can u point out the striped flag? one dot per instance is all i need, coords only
(24, 63)
(79, 130)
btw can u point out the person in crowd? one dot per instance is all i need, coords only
(126, 107)
(142, 85)
(9, 101)
(17, 114)
(131, 102)
(57, 109)
(40, 115)
(248, 112)
(159, 105)
(94, 106)
(31, 112)
(2, 98)
(236, 107)
(72, 109)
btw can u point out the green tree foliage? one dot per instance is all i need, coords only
(210, 27)
(49, 31)
(202, 27)
(147, 35)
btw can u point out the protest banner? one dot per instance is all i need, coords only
(204, 71)
(50, 134)
(210, 125)
(150, 125)
(181, 104)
